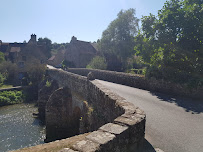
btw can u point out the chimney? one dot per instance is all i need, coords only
(74, 39)
(33, 38)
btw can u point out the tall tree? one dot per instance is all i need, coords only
(48, 43)
(173, 43)
(118, 39)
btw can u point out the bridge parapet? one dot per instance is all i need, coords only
(117, 125)
(138, 81)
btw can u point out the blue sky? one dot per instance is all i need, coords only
(59, 20)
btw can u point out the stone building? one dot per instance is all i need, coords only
(57, 59)
(80, 53)
(24, 54)
(77, 54)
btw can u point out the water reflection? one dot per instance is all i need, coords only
(18, 127)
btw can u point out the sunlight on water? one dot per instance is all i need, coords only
(18, 128)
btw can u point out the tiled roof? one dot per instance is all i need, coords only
(82, 46)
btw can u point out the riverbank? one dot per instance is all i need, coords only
(11, 97)
(19, 94)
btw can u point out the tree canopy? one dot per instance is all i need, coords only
(172, 43)
(48, 44)
(118, 39)
(97, 62)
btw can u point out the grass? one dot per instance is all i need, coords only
(6, 86)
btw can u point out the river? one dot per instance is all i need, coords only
(18, 127)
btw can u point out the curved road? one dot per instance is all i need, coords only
(172, 124)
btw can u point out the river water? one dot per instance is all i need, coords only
(18, 127)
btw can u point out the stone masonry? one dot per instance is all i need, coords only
(117, 125)
(141, 82)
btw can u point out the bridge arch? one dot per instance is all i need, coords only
(62, 118)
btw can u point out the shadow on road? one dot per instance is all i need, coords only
(147, 147)
(190, 105)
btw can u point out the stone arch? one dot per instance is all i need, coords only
(76, 120)
(44, 94)
(59, 115)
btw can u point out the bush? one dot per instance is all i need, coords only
(2, 78)
(9, 71)
(36, 72)
(48, 83)
(11, 97)
(97, 62)
(176, 76)
(67, 64)
(4, 101)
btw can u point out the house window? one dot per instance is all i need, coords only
(24, 58)
(21, 64)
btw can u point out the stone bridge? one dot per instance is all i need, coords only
(72, 104)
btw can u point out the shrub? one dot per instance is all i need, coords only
(9, 71)
(48, 83)
(97, 62)
(2, 78)
(10, 97)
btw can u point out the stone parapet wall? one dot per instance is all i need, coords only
(121, 124)
(117, 124)
(73, 81)
(141, 82)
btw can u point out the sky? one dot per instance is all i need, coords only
(59, 20)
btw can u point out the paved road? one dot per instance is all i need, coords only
(172, 124)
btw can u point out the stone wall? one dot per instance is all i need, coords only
(44, 94)
(117, 125)
(141, 82)
(61, 119)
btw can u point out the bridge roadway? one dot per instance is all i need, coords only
(172, 124)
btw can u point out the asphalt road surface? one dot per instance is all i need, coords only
(173, 124)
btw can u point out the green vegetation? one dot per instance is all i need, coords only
(9, 71)
(57, 47)
(67, 64)
(48, 44)
(48, 84)
(97, 62)
(4, 86)
(168, 46)
(172, 44)
(11, 97)
(36, 73)
(117, 40)
(2, 78)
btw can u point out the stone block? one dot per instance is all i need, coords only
(114, 128)
(136, 127)
(134, 116)
(86, 146)
(129, 108)
(127, 121)
(101, 137)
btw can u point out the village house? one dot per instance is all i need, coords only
(77, 54)
(56, 60)
(24, 54)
